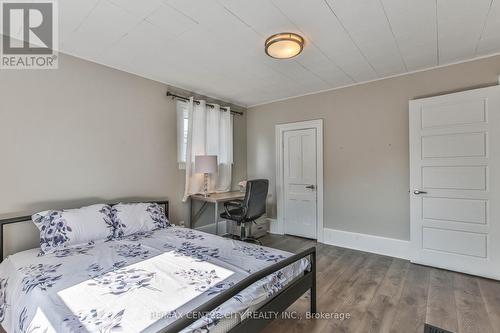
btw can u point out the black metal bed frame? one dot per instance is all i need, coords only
(268, 311)
(265, 314)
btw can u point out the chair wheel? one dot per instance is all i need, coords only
(252, 240)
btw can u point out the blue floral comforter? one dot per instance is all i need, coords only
(139, 283)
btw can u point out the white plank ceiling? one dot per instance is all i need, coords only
(215, 47)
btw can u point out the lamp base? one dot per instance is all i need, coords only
(205, 186)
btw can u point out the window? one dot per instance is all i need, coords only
(182, 132)
(207, 130)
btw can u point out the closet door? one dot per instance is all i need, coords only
(455, 181)
(300, 183)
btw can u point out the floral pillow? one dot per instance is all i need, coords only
(131, 218)
(62, 228)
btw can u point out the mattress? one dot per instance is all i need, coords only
(140, 283)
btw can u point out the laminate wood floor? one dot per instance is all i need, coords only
(385, 294)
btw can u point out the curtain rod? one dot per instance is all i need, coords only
(198, 102)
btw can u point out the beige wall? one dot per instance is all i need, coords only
(366, 151)
(87, 133)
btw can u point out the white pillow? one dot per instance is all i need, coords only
(130, 218)
(63, 228)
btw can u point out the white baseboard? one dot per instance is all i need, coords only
(275, 227)
(210, 228)
(369, 243)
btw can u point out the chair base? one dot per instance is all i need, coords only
(250, 239)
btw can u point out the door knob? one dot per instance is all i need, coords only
(417, 192)
(310, 186)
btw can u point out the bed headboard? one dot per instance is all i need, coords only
(27, 218)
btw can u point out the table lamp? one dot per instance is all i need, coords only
(205, 164)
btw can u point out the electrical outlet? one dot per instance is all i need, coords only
(181, 224)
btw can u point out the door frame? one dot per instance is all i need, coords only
(278, 227)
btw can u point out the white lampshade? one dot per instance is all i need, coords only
(205, 163)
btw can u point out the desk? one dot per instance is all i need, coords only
(216, 199)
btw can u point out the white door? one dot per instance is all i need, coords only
(300, 183)
(455, 181)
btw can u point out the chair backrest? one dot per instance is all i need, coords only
(255, 198)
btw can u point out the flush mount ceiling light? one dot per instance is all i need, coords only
(284, 45)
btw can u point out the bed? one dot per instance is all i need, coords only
(167, 280)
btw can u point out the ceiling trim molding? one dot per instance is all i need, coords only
(380, 79)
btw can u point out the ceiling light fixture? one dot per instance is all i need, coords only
(284, 45)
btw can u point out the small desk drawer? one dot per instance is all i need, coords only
(257, 230)
(260, 228)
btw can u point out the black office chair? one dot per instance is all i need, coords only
(249, 209)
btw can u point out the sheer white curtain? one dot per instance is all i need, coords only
(209, 132)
